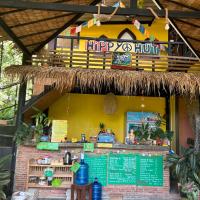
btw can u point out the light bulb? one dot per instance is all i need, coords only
(167, 27)
(98, 23)
(142, 105)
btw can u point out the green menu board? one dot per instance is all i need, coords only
(150, 171)
(97, 167)
(122, 169)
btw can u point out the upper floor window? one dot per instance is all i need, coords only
(126, 34)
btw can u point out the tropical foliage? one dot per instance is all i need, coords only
(9, 56)
(4, 176)
(186, 168)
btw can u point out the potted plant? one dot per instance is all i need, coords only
(24, 133)
(4, 175)
(41, 127)
(142, 133)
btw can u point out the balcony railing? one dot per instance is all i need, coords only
(89, 58)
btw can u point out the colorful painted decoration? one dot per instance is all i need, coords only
(104, 46)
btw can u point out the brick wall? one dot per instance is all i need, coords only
(25, 153)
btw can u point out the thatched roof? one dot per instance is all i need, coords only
(126, 82)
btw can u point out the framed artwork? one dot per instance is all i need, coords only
(134, 120)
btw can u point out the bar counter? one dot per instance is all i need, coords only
(111, 190)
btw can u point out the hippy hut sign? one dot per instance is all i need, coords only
(109, 46)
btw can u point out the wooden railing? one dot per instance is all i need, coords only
(103, 60)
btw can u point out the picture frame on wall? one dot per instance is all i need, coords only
(134, 120)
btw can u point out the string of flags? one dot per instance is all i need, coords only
(146, 33)
(94, 21)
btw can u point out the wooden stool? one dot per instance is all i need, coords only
(81, 191)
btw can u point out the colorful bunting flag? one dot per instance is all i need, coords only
(137, 24)
(68, 32)
(73, 31)
(84, 24)
(145, 32)
(90, 23)
(152, 38)
(142, 29)
(95, 20)
(78, 29)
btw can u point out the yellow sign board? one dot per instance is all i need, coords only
(59, 130)
(105, 145)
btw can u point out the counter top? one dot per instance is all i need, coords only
(115, 146)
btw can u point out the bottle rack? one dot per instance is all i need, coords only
(62, 172)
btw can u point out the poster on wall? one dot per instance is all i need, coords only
(59, 130)
(134, 120)
(121, 59)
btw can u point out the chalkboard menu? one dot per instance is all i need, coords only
(97, 168)
(126, 169)
(150, 171)
(122, 169)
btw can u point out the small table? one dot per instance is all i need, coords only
(81, 191)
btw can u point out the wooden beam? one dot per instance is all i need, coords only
(192, 38)
(20, 10)
(11, 12)
(188, 23)
(37, 33)
(73, 20)
(94, 9)
(173, 24)
(182, 5)
(41, 20)
(12, 35)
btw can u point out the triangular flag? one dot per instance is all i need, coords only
(116, 5)
(122, 5)
(147, 34)
(95, 20)
(90, 23)
(141, 29)
(68, 32)
(78, 29)
(84, 24)
(137, 24)
(73, 31)
(152, 38)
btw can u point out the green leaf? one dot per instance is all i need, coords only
(2, 195)
(4, 160)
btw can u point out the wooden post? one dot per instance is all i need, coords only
(22, 96)
(19, 119)
(197, 133)
(177, 124)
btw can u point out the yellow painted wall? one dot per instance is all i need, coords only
(84, 112)
(112, 31)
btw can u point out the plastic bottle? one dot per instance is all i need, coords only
(96, 190)
(82, 173)
(67, 158)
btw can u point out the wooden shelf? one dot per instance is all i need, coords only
(62, 172)
(55, 175)
(63, 186)
(36, 165)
